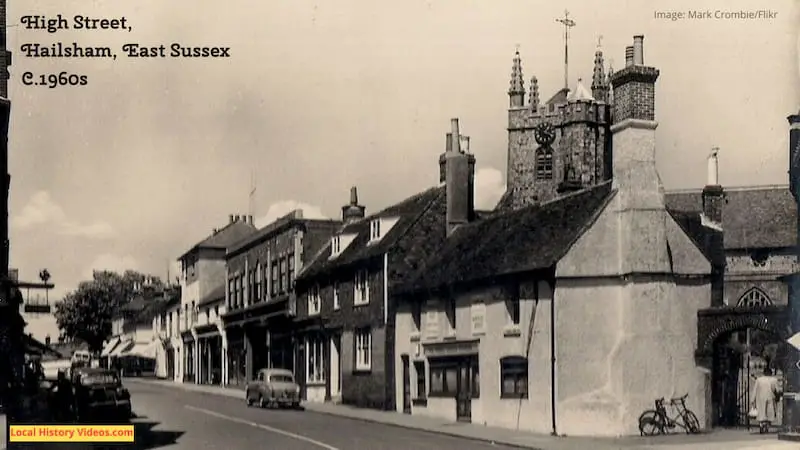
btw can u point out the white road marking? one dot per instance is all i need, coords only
(263, 427)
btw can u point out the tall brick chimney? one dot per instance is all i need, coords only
(457, 171)
(639, 189)
(711, 219)
(353, 212)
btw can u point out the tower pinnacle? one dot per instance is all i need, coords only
(516, 91)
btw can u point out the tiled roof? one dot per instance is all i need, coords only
(407, 211)
(275, 227)
(754, 217)
(559, 97)
(216, 294)
(691, 224)
(225, 237)
(529, 238)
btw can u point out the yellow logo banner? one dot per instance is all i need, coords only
(70, 433)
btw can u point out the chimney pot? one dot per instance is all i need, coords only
(638, 50)
(230, 218)
(628, 56)
(713, 168)
(354, 196)
(455, 139)
(250, 219)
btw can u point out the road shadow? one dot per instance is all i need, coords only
(147, 438)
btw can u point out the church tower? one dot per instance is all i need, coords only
(558, 146)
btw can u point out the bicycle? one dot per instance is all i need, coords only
(657, 421)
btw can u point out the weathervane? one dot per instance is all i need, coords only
(568, 23)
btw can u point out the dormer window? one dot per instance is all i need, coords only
(314, 301)
(375, 230)
(336, 245)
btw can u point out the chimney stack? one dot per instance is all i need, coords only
(353, 212)
(458, 170)
(250, 219)
(713, 201)
(640, 194)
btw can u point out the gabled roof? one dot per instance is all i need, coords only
(222, 239)
(530, 238)
(752, 217)
(559, 97)
(407, 212)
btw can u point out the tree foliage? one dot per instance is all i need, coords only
(86, 313)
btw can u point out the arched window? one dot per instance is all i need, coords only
(544, 163)
(753, 298)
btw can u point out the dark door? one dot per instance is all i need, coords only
(464, 393)
(406, 386)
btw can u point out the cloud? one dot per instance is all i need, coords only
(110, 262)
(489, 187)
(283, 207)
(42, 210)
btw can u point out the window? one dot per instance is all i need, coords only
(363, 341)
(315, 358)
(755, 297)
(194, 313)
(241, 290)
(265, 278)
(290, 262)
(284, 281)
(314, 302)
(231, 294)
(512, 306)
(444, 375)
(514, 377)
(250, 287)
(260, 376)
(375, 230)
(361, 288)
(544, 164)
(419, 368)
(274, 288)
(259, 284)
(216, 311)
(451, 313)
(336, 245)
(336, 304)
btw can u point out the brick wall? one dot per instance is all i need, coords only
(634, 93)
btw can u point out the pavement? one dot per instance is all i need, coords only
(206, 415)
(185, 416)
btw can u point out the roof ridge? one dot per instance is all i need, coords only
(738, 188)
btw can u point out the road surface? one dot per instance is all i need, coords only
(179, 419)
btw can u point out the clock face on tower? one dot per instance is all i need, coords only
(545, 134)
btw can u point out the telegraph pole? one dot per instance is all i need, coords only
(568, 23)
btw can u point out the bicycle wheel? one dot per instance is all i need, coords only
(692, 423)
(650, 423)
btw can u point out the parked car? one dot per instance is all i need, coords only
(99, 393)
(273, 387)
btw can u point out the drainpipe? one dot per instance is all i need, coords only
(553, 362)
(385, 288)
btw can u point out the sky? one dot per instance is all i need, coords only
(135, 167)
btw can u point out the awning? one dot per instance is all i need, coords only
(110, 346)
(143, 350)
(121, 348)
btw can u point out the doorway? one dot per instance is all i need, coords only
(406, 385)
(464, 392)
(336, 367)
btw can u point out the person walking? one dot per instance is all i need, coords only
(767, 393)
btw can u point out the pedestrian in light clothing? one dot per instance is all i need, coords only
(766, 395)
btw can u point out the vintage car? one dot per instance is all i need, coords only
(273, 387)
(99, 393)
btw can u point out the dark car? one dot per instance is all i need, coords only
(99, 394)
